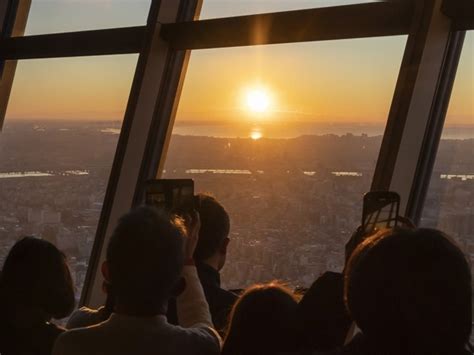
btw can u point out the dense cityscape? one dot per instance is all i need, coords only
(293, 202)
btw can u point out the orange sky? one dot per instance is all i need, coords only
(350, 80)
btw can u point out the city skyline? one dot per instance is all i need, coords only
(310, 205)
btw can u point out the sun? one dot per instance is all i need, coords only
(256, 135)
(258, 100)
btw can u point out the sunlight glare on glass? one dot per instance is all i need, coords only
(257, 100)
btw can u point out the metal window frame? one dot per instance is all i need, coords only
(320, 24)
(341, 22)
(150, 85)
(436, 120)
(419, 107)
(13, 17)
(461, 11)
(125, 40)
(164, 46)
(402, 98)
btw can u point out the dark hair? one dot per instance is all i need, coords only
(215, 226)
(145, 257)
(322, 321)
(411, 288)
(261, 322)
(35, 274)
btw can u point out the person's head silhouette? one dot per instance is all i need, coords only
(410, 290)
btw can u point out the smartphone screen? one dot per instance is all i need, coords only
(171, 195)
(380, 211)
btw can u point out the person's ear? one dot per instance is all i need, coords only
(224, 245)
(179, 287)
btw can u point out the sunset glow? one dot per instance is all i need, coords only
(256, 135)
(257, 100)
(342, 81)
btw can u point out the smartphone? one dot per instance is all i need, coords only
(174, 196)
(380, 210)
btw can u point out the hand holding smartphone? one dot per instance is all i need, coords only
(175, 196)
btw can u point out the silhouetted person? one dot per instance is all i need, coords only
(210, 256)
(35, 286)
(322, 321)
(261, 322)
(409, 291)
(143, 266)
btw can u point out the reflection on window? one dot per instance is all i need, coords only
(449, 205)
(226, 8)
(53, 16)
(286, 137)
(56, 151)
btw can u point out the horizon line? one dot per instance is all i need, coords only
(213, 122)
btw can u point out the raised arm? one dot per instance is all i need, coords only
(192, 307)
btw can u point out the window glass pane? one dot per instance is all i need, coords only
(286, 137)
(53, 16)
(56, 151)
(226, 8)
(449, 205)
